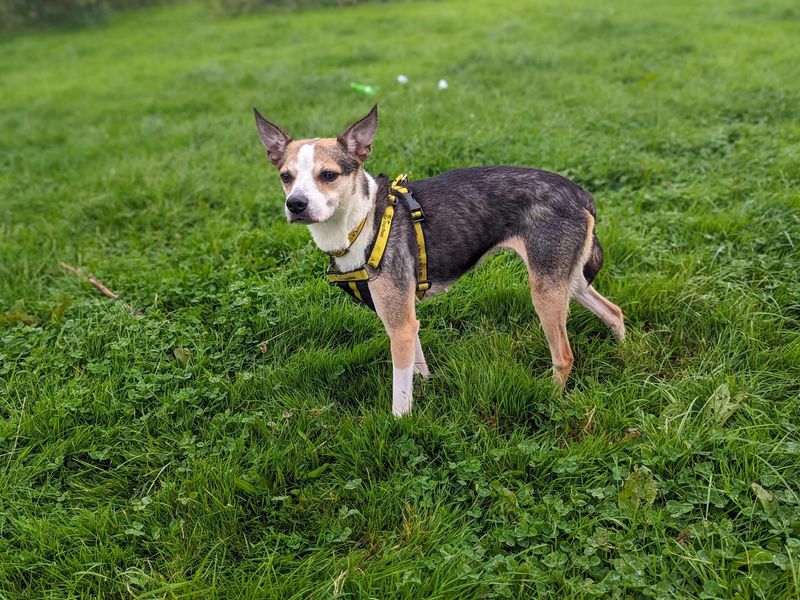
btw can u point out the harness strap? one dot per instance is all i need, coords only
(417, 217)
(384, 229)
(357, 275)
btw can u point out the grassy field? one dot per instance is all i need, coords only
(235, 439)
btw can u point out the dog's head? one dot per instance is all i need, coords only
(320, 174)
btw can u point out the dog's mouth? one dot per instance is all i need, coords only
(302, 219)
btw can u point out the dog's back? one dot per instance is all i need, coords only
(471, 211)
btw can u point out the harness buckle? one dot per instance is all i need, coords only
(414, 208)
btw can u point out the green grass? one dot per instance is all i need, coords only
(168, 456)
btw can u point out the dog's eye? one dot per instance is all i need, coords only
(328, 175)
(286, 177)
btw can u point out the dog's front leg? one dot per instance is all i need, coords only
(420, 365)
(395, 307)
(402, 341)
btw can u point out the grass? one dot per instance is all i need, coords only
(236, 440)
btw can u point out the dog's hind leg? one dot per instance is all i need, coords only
(551, 302)
(549, 282)
(550, 295)
(395, 307)
(610, 313)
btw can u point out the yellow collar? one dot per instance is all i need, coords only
(351, 238)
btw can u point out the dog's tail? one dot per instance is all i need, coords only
(592, 265)
(595, 261)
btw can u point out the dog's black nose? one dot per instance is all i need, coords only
(296, 203)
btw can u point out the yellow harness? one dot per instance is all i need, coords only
(356, 282)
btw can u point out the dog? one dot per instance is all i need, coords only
(544, 217)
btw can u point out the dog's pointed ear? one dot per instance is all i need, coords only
(273, 137)
(358, 137)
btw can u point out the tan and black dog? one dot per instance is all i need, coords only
(547, 219)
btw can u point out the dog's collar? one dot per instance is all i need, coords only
(351, 238)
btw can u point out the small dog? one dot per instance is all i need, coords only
(547, 219)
